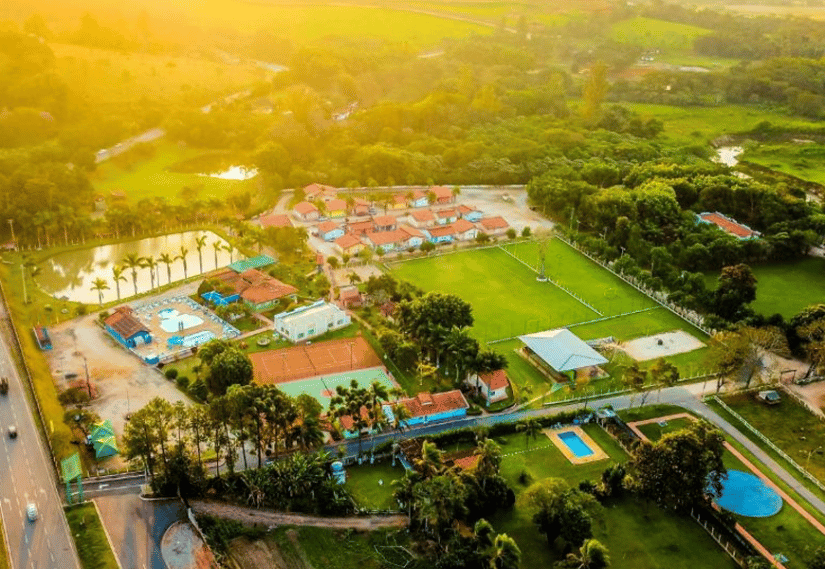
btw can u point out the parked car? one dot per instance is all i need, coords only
(770, 397)
(31, 511)
(12, 432)
(4, 385)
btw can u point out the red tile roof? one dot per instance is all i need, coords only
(418, 194)
(442, 192)
(336, 205)
(728, 225)
(462, 225)
(313, 190)
(266, 291)
(434, 403)
(347, 241)
(362, 201)
(422, 215)
(346, 420)
(384, 220)
(275, 220)
(448, 213)
(349, 292)
(327, 226)
(466, 462)
(360, 227)
(442, 230)
(410, 231)
(125, 323)
(379, 238)
(399, 198)
(494, 379)
(305, 207)
(494, 223)
(462, 209)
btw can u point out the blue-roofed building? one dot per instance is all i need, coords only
(125, 327)
(562, 354)
(252, 263)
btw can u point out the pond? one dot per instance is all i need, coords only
(234, 173)
(728, 155)
(70, 274)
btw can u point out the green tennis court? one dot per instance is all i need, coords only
(322, 388)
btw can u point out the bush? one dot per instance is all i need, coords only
(524, 478)
(171, 373)
(198, 390)
(474, 410)
(183, 382)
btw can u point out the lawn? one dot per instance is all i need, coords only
(153, 176)
(90, 539)
(4, 555)
(651, 33)
(654, 431)
(638, 535)
(773, 295)
(789, 425)
(800, 160)
(363, 483)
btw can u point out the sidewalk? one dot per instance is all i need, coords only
(272, 518)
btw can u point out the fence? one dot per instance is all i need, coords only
(18, 348)
(718, 537)
(811, 478)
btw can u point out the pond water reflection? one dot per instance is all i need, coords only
(72, 273)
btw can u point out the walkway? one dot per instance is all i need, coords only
(272, 518)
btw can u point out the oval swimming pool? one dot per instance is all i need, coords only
(747, 495)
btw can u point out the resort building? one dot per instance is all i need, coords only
(464, 230)
(398, 202)
(361, 206)
(445, 216)
(441, 234)
(469, 213)
(385, 223)
(493, 225)
(274, 220)
(562, 355)
(387, 240)
(307, 322)
(728, 225)
(124, 326)
(306, 211)
(256, 289)
(360, 227)
(427, 408)
(491, 385)
(349, 296)
(414, 237)
(422, 218)
(443, 195)
(336, 208)
(321, 192)
(349, 244)
(329, 230)
(418, 199)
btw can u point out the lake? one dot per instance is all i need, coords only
(71, 274)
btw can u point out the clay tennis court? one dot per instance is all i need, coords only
(324, 358)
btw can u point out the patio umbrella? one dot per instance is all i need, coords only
(105, 447)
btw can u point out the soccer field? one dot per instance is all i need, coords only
(508, 301)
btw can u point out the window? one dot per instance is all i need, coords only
(340, 322)
(309, 333)
(300, 336)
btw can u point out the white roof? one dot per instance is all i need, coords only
(562, 350)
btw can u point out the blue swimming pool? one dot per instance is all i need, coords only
(747, 495)
(172, 321)
(576, 445)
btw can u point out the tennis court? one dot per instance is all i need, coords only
(312, 360)
(322, 388)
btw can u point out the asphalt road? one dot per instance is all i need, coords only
(26, 475)
(136, 526)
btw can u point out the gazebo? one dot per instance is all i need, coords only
(562, 354)
(103, 440)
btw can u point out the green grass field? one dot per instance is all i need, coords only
(638, 536)
(703, 124)
(659, 34)
(90, 539)
(773, 293)
(153, 177)
(803, 161)
(363, 484)
(4, 555)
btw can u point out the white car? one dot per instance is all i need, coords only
(31, 511)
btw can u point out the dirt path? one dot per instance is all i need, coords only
(253, 516)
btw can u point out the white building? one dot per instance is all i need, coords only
(310, 321)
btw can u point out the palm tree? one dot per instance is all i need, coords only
(151, 264)
(183, 252)
(430, 462)
(117, 276)
(217, 246)
(168, 260)
(592, 555)
(100, 285)
(531, 430)
(506, 554)
(376, 394)
(229, 249)
(200, 243)
(489, 459)
(133, 262)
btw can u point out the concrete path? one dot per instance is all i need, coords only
(272, 518)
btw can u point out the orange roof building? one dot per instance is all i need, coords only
(493, 225)
(492, 385)
(427, 408)
(274, 220)
(728, 225)
(124, 326)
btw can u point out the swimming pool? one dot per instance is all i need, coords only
(747, 495)
(172, 321)
(576, 445)
(198, 338)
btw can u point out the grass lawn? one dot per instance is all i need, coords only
(363, 483)
(773, 293)
(152, 177)
(800, 160)
(659, 34)
(4, 555)
(89, 538)
(654, 431)
(703, 124)
(639, 536)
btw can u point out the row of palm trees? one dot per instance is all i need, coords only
(134, 262)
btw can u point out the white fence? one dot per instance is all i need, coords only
(770, 443)
(718, 538)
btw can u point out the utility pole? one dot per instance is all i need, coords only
(88, 383)
(23, 275)
(11, 226)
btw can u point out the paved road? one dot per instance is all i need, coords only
(121, 147)
(136, 526)
(26, 475)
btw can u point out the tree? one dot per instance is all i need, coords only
(140, 439)
(430, 463)
(133, 262)
(100, 285)
(678, 470)
(182, 257)
(151, 264)
(531, 428)
(117, 276)
(352, 402)
(230, 367)
(595, 90)
(736, 287)
(333, 262)
(634, 378)
(664, 374)
(216, 246)
(427, 247)
(506, 554)
(818, 559)
(511, 233)
(526, 232)
(427, 319)
(560, 511)
(482, 238)
(489, 460)
(167, 259)
(200, 243)
(733, 355)
(591, 555)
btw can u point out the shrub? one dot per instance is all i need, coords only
(524, 478)
(198, 390)
(171, 373)
(183, 382)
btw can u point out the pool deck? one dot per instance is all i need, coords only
(598, 453)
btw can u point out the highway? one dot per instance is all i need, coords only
(27, 475)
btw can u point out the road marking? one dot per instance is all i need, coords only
(102, 486)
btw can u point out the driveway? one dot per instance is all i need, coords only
(136, 527)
